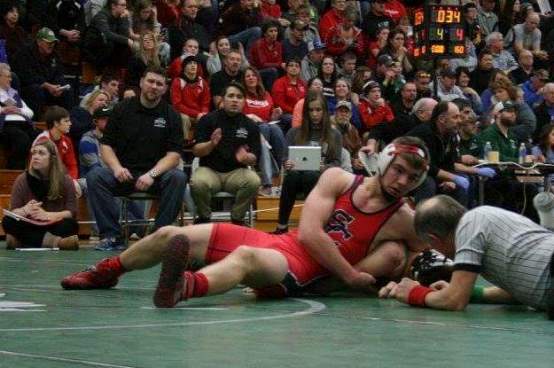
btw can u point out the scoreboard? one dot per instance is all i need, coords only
(439, 31)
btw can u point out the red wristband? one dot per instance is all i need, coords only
(417, 295)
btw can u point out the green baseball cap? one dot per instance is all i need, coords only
(46, 34)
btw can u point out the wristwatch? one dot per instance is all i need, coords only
(153, 173)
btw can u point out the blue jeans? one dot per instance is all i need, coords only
(246, 37)
(274, 135)
(103, 187)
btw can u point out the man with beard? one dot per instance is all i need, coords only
(141, 147)
(352, 227)
(440, 136)
(505, 190)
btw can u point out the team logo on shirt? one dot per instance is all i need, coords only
(241, 133)
(338, 223)
(160, 123)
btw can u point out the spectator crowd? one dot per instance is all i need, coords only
(240, 81)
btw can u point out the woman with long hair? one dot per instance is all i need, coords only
(259, 107)
(146, 55)
(144, 19)
(316, 130)
(328, 75)
(10, 29)
(314, 84)
(397, 50)
(43, 204)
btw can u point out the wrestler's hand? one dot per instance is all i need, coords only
(385, 290)
(402, 290)
(361, 281)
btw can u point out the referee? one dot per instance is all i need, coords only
(508, 250)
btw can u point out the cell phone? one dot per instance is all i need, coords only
(65, 87)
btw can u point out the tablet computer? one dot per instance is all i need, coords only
(305, 158)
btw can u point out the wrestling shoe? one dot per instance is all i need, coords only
(101, 276)
(173, 283)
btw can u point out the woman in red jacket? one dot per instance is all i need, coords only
(190, 94)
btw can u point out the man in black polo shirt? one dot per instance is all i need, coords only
(141, 147)
(229, 73)
(227, 143)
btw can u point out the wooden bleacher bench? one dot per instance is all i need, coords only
(7, 178)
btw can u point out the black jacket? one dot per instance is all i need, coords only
(33, 69)
(442, 151)
(543, 118)
(237, 130)
(179, 33)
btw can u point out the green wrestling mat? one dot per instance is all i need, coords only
(43, 326)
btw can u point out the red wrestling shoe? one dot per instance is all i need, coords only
(104, 275)
(172, 284)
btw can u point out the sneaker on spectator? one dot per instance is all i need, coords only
(110, 244)
(134, 236)
(265, 191)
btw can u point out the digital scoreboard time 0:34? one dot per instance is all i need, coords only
(439, 31)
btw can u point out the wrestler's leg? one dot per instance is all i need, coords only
(143, 254)
(252, 266)
(148, 251)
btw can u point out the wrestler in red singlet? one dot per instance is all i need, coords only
(351, 229)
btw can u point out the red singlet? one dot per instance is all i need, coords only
(351, 229)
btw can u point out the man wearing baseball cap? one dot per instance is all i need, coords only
(41, 74)
(505, 190)
(312, 61)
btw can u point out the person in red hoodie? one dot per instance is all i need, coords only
(332, 17)
(373, 108)
(190, 94)
(58, 124)
(190, 47)
(267, 53)
(287, 90)
(346, 36)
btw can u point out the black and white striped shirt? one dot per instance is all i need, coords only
(509, 250)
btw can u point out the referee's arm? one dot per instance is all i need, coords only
(456, 295)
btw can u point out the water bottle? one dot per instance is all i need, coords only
(522, 153)
(486, 151)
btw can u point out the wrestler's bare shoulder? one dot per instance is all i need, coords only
(399, 226)
(336, 179)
